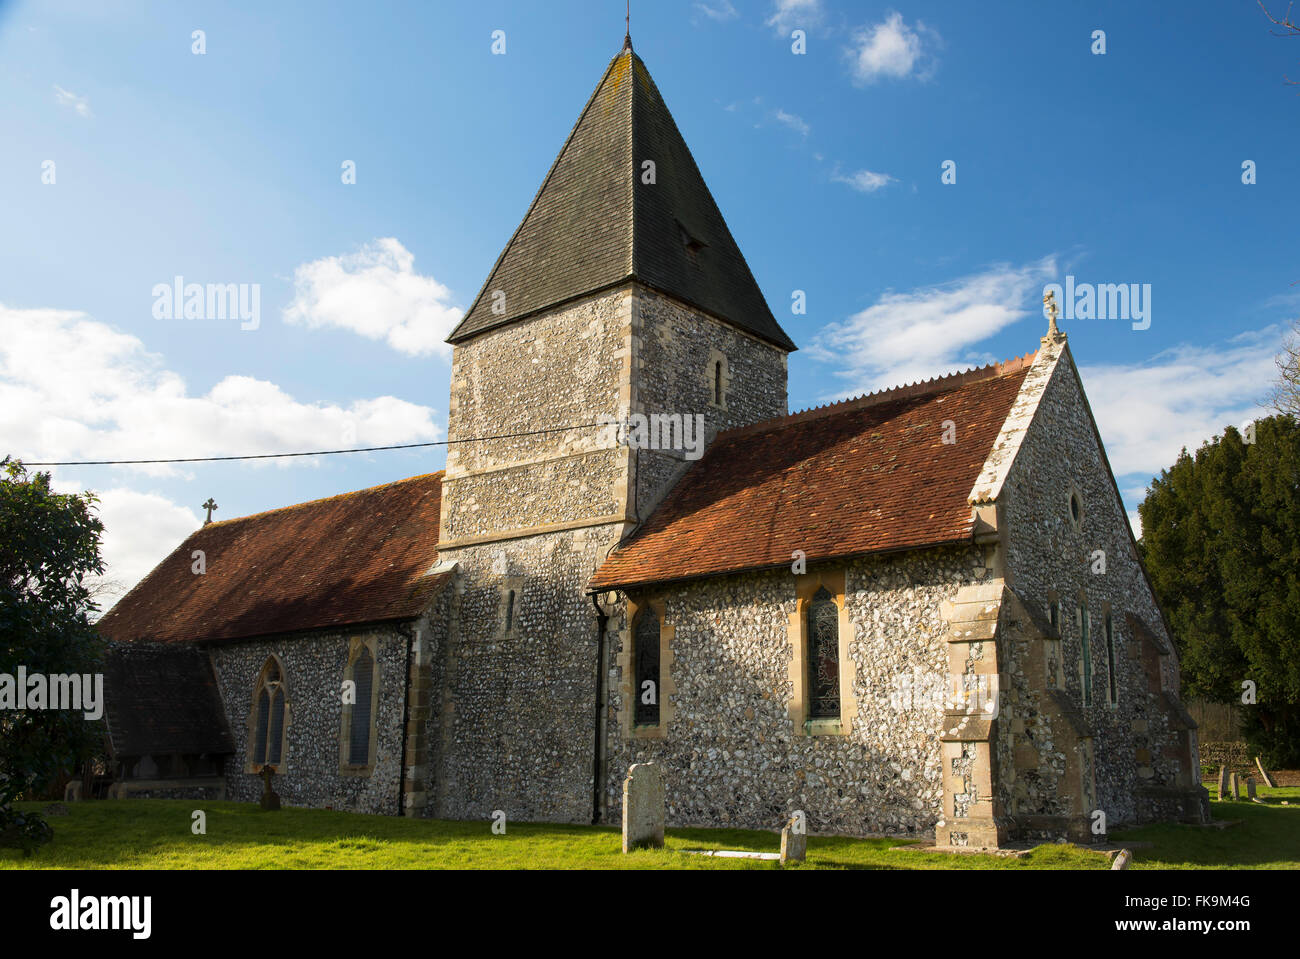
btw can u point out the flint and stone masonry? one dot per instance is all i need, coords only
(502, 598)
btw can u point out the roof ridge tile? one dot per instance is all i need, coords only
(904, 391)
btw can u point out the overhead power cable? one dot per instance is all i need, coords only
(272, 456)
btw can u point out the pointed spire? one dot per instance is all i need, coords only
(627, 38)
(623, 201)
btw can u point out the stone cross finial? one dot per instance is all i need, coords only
(1052, 311)
(210, 505)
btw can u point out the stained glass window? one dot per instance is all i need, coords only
(267, 734)
(259, 730)
(275, 738)
(645, 647)
(363, 674)
(823, 657)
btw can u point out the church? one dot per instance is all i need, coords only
(916, 612)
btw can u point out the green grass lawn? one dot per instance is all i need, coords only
(155, 834)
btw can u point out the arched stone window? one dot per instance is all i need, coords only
(718, 379)
(268, 720)
(357, 738)
(645, 662)
(822, 673)
(1085, 651)
(823, 656)
(645, 654)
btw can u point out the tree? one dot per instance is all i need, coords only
(1287, 23)
(1286, 392)
(49, 548)
(1221, 543)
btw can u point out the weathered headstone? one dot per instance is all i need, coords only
(1250, 787)
(1236, 787)
(794, 843)
(1223, 782)
(1122, 860)
(1268, 780)
(270, 801)
(643, 807)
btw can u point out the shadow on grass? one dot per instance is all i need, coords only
(156, 834)
(1261, 836)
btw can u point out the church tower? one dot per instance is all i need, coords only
(622, 297)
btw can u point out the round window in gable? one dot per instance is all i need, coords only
(1076, 507)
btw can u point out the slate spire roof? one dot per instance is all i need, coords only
(595, 224)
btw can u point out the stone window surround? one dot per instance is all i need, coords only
(1055, 679)
(1073, 494)
(509, 585)
(1082, 615)
(346, 768)
(627, 670)
(710, 374)
(258, 686)
(806, 586)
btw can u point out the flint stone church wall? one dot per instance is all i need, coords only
(731, 756)
(1134, 744)
(314, 665)
(516, 729)
(561, 368)
(675, 352)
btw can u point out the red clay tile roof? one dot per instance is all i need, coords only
(357, 558)
(863, 476)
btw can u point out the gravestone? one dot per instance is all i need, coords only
(270, 801)
(1236, 787)
(643, 807)
(1268, 780)
(1223, 782)
(794, 844)
(1122, 860)
(1250, 787)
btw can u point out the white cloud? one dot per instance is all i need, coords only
(1183, 396)
(865, 181)
(69, 99)
(794, 122)
(72, 388)
(907, 337)
(376, 293)
(721, 10)
(788, 15)
(893, 49)
(139, 530)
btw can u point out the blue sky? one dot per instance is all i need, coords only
(225, 167)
